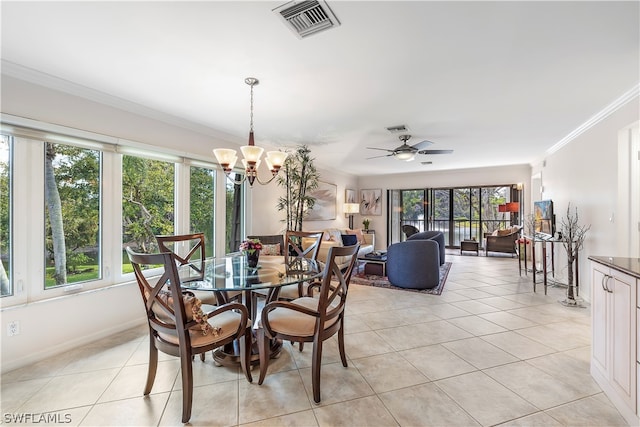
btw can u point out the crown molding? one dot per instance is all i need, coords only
(623, 100)
(49, 81)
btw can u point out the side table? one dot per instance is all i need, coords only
(470, 245)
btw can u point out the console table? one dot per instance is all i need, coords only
(544, 241)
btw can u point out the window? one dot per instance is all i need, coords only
(72, 214)
(83, 197)
(201, 205)
(148, 192)
(6, 283)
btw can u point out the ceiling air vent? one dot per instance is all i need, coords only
(305, 18)
(399, 128)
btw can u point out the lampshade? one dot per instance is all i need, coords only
(351, 208)
(225, 157)
(276, 159)
(513, 207)
(251, 153)
(502, 208)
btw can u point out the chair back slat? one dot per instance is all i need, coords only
(335, 282)
(194, 255)
(295, 248)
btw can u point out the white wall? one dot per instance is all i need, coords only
(268, 220)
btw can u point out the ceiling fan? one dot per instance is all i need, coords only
(408, 152)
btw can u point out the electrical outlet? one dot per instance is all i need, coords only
(13, 328)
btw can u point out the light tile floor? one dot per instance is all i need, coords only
(488, 351)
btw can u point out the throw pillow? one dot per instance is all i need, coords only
(495, 233)
(192, 308)
(271, 249)
(349, 239)
(358, 233)
(504, 232)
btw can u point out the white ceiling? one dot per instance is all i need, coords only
(498, 82)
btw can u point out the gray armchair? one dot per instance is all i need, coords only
(437, 236)
(414, 264)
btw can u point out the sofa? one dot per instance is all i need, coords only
(437, 236)
(333, 237)
(503, 241)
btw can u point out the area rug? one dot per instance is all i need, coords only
(383, 282)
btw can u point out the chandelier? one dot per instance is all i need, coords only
(252, 154)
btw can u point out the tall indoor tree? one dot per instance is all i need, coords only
(300, 177)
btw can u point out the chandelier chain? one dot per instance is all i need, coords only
(251, 115)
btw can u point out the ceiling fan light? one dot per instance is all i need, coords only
(406, 156)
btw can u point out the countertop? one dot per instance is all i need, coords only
(627, 265)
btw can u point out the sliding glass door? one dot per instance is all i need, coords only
(460, 213)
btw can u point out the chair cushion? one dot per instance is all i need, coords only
(290, 322)
(227, 324)
(271, 249)
(192, 308)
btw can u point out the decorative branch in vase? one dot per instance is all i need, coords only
(572, 234)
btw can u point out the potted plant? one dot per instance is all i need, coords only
(365, 223)
(251, 248)
(300, 177)
(572, 236)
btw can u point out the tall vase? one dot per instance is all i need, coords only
(252, 258)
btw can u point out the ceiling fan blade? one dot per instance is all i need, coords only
(382, 149)
(435, 151)
(377, 157)
(422, 145)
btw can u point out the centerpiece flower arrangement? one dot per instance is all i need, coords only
(250, 245)
(251, 248)
(366, 222)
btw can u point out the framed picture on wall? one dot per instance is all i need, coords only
(325, 207)
(350, 196)
(371, 202)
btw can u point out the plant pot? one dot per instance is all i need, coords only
(252, 258)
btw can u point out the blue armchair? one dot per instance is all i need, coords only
(414, 264)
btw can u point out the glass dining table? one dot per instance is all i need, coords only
(230, 275)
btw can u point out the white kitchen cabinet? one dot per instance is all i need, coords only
(614, 352)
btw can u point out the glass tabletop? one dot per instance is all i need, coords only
(233, 273)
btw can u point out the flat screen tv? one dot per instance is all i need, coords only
(544, 218)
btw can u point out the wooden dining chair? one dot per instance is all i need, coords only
(299, 244)
(310, 318)
(293, 248)
(178, 326)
